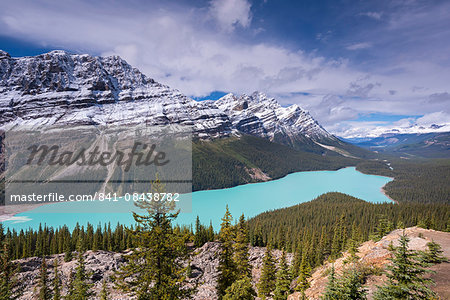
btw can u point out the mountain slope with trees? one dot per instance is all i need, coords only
(424, 181)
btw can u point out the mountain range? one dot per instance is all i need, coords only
(245, 134)
(425, 145)
(70, 89)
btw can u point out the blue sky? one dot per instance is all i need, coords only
(355, 65)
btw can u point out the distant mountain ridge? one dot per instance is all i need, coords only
(68, 89)
(428, 145)
(443, 126)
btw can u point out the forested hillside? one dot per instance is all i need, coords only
(424, 181)
(334, 222)
(314, 232)
(229, 162)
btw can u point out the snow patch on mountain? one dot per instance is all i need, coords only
(263, 116)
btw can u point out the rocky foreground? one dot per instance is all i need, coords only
(102, 264)
(205, 261)
(376, 254)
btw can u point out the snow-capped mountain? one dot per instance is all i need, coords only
(69, 89)
(361, 135)
(430, 145)
(260, 115)
(60, 88)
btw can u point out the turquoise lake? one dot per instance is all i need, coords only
(250, 199)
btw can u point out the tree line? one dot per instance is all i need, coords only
(315, 231)
(322, 229)
(406, 275)
(425, 181)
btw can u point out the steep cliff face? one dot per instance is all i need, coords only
(259, 115)
(69, 89)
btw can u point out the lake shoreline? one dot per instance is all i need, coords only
(21, 208)
(8, 212)
(385, 193)
(281, 177)
(11, 211)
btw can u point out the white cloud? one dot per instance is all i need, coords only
(229, 13)
(439, 117)
(373, 14)
(196, 51)
(359, 46)
(178, 48)
(424, 124)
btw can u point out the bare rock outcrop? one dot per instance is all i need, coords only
(102, 264)
(376, 255)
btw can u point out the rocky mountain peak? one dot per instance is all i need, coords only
(4, 54)
(59, 71)
(263, 116)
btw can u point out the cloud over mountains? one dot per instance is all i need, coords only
(232, 46)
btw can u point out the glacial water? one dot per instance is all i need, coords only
(250, 199)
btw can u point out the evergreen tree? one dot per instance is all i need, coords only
(240, 247)
(81, 287)
(154, 269)
(400, 224)
(304, 274)
(56, 281)
(210, 232)
(241, 289)
(104, 293)
(39, 242)
(266, 284)
(353, 245)
(197, 236)
(10, 287)
(44, 291)
(227, 268)
(297, 259)
(405, 275)
(331, 290)
(384, 227)
(321, 251)
(349, 286)
(336, 243)
(189, 269)
(70, 288)
(283, 280)
(433, 254)
(68, 250)
(2, 234)
(96, 243)
(422, 224)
